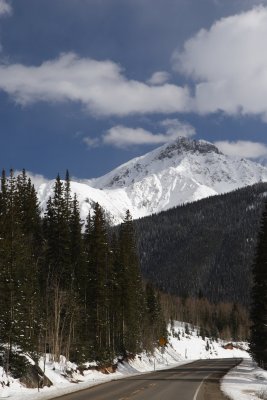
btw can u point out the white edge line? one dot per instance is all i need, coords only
(198, 389)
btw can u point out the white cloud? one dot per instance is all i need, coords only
(159, 78)
(100, 86)
(176, 128)
(91, 142)
(122, 137)
(5, 8)
(242, 148)
(228, 63)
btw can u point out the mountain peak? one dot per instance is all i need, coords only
(183, 145)
(169, 155)
(176, 173)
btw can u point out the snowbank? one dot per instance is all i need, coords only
(184, 346)
(245, 382)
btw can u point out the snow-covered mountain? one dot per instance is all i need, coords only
(183, 171)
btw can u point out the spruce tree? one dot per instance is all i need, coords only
(97, 297)
(58, 271)
(76, 243)
(154, 323)
(57, 234)
(67, 196)
(83, 350)
(30, 222)
(116, 290)
(258, 311)
(76, 289)
(18, 267)
(132, 300)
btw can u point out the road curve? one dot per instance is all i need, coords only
(198, 380)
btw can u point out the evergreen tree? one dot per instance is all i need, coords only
(132, 298)
(18, 266)
(77, 286)
(97, 288)
(116, 295)
(154, 323)
(258, 312)
(3, 197)
(67, 196)
(57, 234)
(76, 243)
(83, 350)
(27, 206)
(58, 270)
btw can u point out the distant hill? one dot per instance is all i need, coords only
(205, 248)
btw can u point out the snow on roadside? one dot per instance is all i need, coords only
(245, 382)
(191, 346)
(184, 346)
(142, 363)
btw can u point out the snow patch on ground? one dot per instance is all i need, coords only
(245, 382)
(185, 345)
(192, 346)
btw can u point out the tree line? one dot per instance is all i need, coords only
(213, 255)
(228, 321)
(67, 287)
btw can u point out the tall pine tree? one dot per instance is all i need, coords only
(19, 224)
(258, 312)
(59, 269)
(97, 287)
(132, 295)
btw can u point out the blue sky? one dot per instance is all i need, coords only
(88, 84)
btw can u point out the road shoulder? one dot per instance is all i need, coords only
(211, 387)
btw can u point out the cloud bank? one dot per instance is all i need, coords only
(124, 137)
(228, 64)
(99, 86)
(226, 67)
(242, 148)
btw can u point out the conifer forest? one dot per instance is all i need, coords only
(67, 289)
(75, 288)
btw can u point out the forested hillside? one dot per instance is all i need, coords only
(68, 291)
(74, 290)
(206, 248)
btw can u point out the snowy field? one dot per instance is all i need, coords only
(182, 348)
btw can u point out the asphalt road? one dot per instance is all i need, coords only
(195, 381)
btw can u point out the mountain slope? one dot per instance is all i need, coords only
(115, 204)
(177, 173)
(205, 248)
